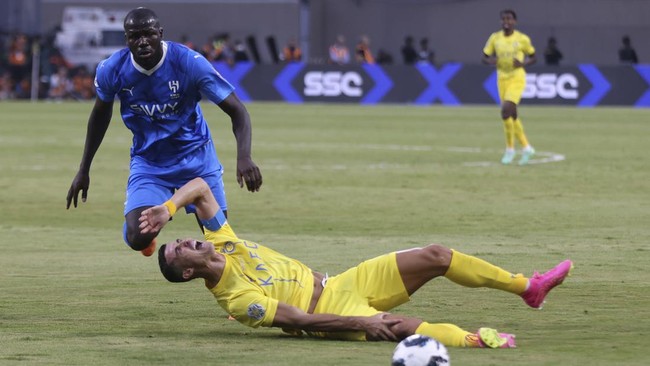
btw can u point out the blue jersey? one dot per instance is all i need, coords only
(161, 106)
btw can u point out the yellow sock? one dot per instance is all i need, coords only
(470, 271)
(519, 132)
(509, 129)
(448, 334)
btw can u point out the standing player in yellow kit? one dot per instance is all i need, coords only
(510, 51)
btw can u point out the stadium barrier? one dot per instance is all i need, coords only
(583, 85)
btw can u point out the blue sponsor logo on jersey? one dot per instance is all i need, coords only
(156, 110)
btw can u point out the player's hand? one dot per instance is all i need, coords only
(378, 327)
(516, 63)
(153, 219)
(492, 61)
(81, 182)
(249, 173)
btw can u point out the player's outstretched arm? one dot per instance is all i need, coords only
(98, 122)
(247, 170)
(195, 192)
(377, 327)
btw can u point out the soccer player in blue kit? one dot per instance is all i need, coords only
(160, 84)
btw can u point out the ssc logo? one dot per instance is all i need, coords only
(333, 84)
(549, 86)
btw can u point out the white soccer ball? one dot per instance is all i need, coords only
(420, 350)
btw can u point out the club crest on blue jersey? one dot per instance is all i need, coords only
(174, 85)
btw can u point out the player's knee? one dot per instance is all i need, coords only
(507, 113)
(131, 230)
(508, 110)
(137, 241)
(438, 255)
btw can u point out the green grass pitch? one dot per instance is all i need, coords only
(342, 183)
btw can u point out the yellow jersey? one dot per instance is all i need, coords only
(507, 48)
(255, 278)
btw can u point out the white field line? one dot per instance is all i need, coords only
(541, 157)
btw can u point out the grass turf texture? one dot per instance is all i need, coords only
(342, 183)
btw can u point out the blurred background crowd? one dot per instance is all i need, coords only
(49, 50)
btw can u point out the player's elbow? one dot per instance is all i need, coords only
(406, 327)
(292, 320)
(299, 320)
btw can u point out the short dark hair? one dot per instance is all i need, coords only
(171, 273)
(509, 11)
(140, 16)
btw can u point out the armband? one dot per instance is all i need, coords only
(216, 222)
(171, 207)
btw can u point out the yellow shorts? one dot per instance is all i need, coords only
(511, 89)
(372, 287)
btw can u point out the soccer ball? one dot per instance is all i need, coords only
(420, 350)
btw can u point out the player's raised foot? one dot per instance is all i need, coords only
(508, 156)
(542, 284)
(526, 154)
(148, 251)
(490, 338)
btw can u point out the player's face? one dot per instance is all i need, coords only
(144, 42)
(508, 22)
(188, 252)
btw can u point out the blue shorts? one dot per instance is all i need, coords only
(151, 185)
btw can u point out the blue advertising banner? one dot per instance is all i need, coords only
(583, 85)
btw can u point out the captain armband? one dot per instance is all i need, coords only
(216, 222)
